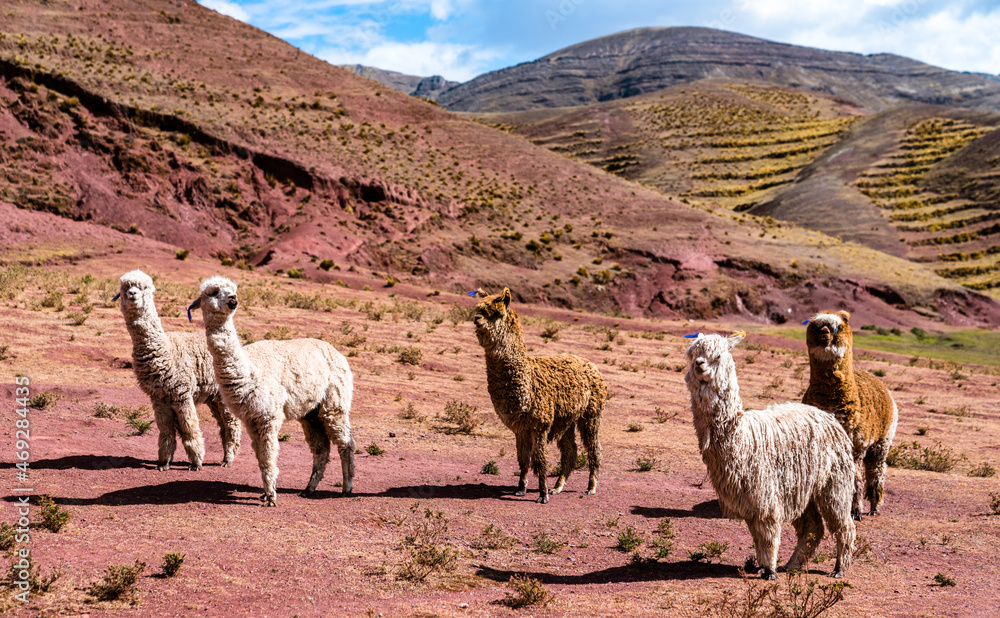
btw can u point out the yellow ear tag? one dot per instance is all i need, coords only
(739, 334)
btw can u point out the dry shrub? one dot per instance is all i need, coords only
(119, 582)
(526, 591)
(466, 417)
(797, 597)
(934, 458)
(425, 550)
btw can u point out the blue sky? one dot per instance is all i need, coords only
(460, 39)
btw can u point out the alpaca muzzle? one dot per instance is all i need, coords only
(232, 303)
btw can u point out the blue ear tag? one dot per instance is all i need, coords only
(189, 315)
(806, 322)
(116, 296)
(472, 293)
(692, 336)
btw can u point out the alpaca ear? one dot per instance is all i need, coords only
(845, 316)
(735, 338)
(195, 305)
(505, 298)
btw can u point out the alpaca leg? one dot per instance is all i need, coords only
(264, 438)
(540, 466)
(338, 427)
(166, 424)
(809, 532)
(592, 442)
(229, 430)
(766, 539)
(319, 444)
(859, 486)
(567, 449)
(188, 427)
(524, 445)
(841, 525)
(875, 468)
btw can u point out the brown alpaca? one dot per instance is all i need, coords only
(540, 399)
(858, 399)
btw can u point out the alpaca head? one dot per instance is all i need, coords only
(710, 359)
(494, 319)
(829, 336)
(217, 301)
(136, 294)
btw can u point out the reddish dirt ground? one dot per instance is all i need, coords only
(330, 555)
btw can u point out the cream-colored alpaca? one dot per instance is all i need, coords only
(175, 371)
(269, 382)
(788, 463)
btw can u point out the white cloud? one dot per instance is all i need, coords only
(454, 62)
(227, 8)
(441, 9)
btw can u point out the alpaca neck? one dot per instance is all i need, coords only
(718, 411)
(837, 374)
(233, 369)
(148, 338)
(507, 362)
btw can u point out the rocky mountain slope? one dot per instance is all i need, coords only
(414, 85)
(649, 59)
(166, 120)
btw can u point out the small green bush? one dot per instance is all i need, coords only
(53, 517)
(526, 591)
(411, 356)
(119, 582)
(375, 450)
(628, 539)
(491, 468)
(172, 563)
(182, 254)
(546, 544)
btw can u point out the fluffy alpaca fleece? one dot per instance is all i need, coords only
(269, 382)
(541, 398)
(859, 400)
(789, 462)
(175, 371)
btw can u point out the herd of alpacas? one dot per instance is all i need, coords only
(806, 463)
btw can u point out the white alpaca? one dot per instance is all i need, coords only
(789, 462)
(175, 371)
(269, 382)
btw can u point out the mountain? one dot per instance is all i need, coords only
(425, 87)
(164, 120)
(649, 59)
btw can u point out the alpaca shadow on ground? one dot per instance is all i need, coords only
(627, 573)
(464, 491)
(706, 510)
(175, 492)
(93, 462)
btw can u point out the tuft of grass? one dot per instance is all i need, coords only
(922, 430)
(119, 582)
(463, 415)
(410, 356)
(995, 503)
(493, 537)
(410, 413)
(424, 547)
(943, 580)
(52, 516)
(525, 592)
(878, 373)
(934, 458)
(7, 535)
(662, 416)
(628, 539)
(663, 544)
(182, 254)
(551, 333)
(375, 450)
(135, 420)
(714, 550)
(634, 427)
(491, 468)
(43, 400)
(546, 544)
(284, 437)
(983, 470)
(172, 563)
(645, 463)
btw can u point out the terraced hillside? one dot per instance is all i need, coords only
(733, 143)
(947, 218)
